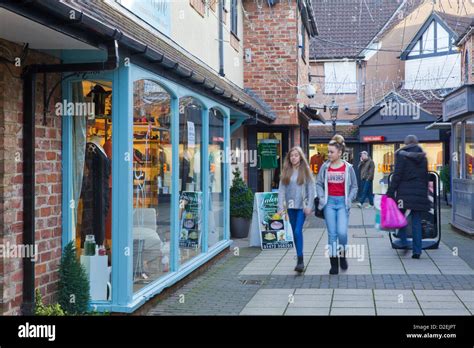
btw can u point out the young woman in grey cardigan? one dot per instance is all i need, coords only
(336, 187)
(296, 193)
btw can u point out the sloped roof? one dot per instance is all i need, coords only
(459, 24)
(351, 23)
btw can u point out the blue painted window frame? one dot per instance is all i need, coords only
(123, 298)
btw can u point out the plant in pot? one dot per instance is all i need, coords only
(445, 176)
(241, 207)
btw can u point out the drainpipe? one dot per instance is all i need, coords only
(221, 38)
(29, 102)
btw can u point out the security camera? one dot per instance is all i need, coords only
(310, 91)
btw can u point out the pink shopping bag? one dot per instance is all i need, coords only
(390, 216)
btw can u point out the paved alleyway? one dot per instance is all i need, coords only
(379, 281)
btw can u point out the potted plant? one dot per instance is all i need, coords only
(241, 207)
(445, 176)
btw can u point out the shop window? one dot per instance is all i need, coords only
(383, 156)
(456, 159)
(469, 162)
(92, 181)
(434, 155)
(318, 154)
(216, 177)
(151, 182)
(190, 179)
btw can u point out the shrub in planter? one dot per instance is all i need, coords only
(241, 206)
(74, 292)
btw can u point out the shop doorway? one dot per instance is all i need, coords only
(269, 167)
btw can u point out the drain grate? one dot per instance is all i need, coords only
(251, 281)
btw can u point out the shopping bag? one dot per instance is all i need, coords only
(390, 216)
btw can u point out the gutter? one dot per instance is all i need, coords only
(29, 103)
(95, 31)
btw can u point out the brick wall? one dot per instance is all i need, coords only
(271, 35)
(48, 183)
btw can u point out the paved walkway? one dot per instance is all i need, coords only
(379, 281)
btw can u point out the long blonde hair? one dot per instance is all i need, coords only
(304, 172)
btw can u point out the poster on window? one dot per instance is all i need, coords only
(190, 225)
(274, 231)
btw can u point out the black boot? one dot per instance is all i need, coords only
(334, 265)
(343, 260)
(300, 265)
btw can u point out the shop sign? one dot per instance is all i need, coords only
(274, 230)
(190, 225)
(373, 138)
(459, 103)
(268, 154)
(155, 12)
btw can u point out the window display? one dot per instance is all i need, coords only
(384, 160)
(92, 182)
(190, 177)
(216, 177)
(151, 182)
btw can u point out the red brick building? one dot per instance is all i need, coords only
(276, 71)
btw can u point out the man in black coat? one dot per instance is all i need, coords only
(409, 187)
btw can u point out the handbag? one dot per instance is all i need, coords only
(318, 212)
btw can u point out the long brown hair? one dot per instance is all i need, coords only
(304, 173)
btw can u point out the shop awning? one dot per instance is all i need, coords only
(439, 125)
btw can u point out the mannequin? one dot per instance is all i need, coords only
(95, 190)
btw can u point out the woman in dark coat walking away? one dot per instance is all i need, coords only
(409, 187)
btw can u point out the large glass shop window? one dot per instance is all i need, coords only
(91, 202)
(216, 177)
(151, 182)
(190, 174)
(456, 161)
(384, 160)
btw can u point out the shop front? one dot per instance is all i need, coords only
(458, 108)
(143, 154)
(383, 128)
(144, 178)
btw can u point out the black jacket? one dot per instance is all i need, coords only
(409, 183)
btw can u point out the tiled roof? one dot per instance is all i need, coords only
(459, 24)
(429, 100)
(324, 133)
(351, 23)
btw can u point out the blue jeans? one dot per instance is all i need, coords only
(366, 192)
(337, 219)
(416, 232)
(297, 218)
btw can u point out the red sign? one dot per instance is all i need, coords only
(373, 138)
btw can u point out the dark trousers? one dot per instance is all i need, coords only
(366, 192)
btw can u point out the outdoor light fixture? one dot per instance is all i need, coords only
(333, 109)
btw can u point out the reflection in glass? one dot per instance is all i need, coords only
(216, 177)
(190, 189)
(151, 182)
(91, 140)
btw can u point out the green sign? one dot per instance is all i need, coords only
(274, 230)
(268, 154)
(190, 204)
